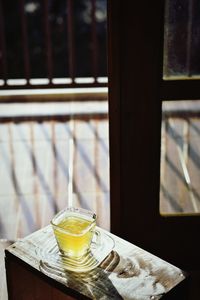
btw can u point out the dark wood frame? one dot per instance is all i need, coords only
(136, 91)
(23, 282)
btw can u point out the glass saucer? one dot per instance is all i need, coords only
(51, 260)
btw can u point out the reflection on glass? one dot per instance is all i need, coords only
(180, 158)
(181, 39)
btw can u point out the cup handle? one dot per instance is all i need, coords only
(96, 241)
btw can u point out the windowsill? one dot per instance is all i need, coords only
(56, 94)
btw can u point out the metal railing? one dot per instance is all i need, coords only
(45, 44)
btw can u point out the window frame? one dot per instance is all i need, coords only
(136, 92)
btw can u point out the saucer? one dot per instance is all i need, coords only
(51, 260)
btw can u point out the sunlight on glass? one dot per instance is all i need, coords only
(180, 158)
(181, 39)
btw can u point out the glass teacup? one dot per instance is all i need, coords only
(75, 231)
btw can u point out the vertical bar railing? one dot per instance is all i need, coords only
(26, 58)
(48, 51)
(27, 69)
(189, 37)
(94, 40)
(3, 63)
(70, 33)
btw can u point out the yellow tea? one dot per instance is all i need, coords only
(74, 235)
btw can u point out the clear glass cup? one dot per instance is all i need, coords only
(75, 231)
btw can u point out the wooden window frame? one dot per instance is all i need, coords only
(136, 91)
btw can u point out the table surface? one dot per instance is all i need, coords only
(128, 272)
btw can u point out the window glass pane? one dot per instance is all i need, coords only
(180, 158)
(182, 39)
